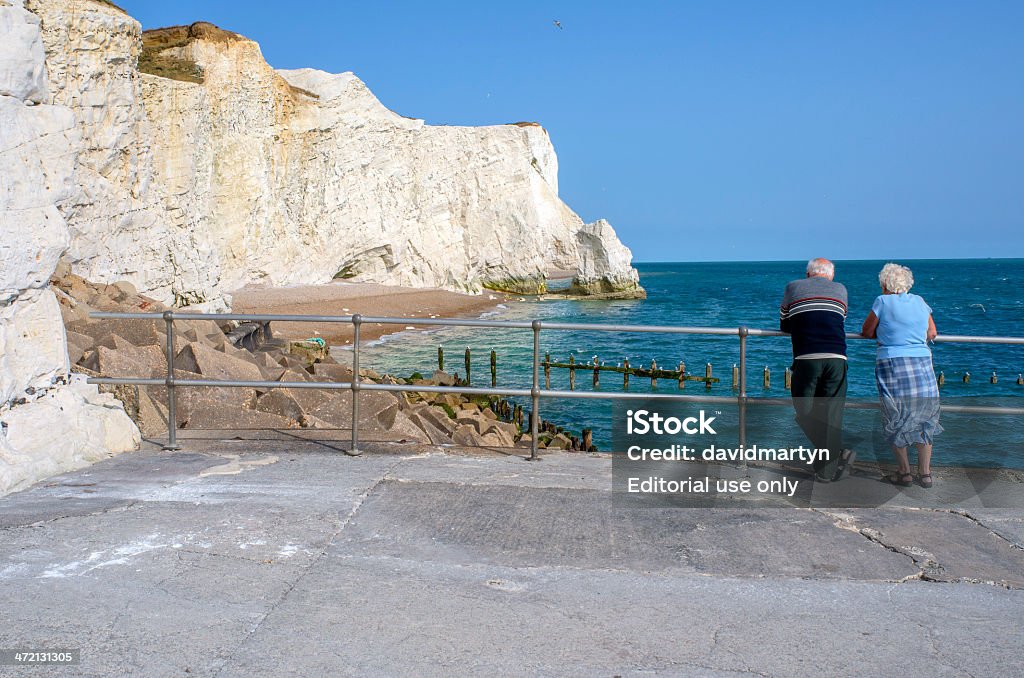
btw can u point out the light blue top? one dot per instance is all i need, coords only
(902, 325)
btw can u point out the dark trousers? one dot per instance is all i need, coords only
(819, 393)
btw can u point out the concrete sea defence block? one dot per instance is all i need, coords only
(211, 363)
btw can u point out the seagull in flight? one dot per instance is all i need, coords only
(558, 23)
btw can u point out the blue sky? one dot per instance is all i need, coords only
(710, 130)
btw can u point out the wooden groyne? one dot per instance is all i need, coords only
(678, 376)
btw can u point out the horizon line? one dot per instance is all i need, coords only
(787, 261)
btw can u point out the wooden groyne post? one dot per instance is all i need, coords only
(494, 369)
(707, 375)
(625, 375)
(547, 372)
(468, 367)
(440, 358)
(597, 373)
(572, 373)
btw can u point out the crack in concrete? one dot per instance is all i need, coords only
(928, 632)
(928, 565)
(965, 514)
(110, 509)
(360, 499)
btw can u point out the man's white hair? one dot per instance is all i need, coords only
(895, 278)
(821, 266)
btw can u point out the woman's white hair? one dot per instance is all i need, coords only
(895, 278)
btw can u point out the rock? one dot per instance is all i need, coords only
(437, 417)
(137, 332)
(497, 438)
(279, 401)
(450, 399)
(295, 375)
(213, 364)
(193, 402)
(508, 430)
(126, 289)
(77, 345)
(402, 428)
(467, 436)
(205, 331)
(440, 378)
(82, 341)
(308, 351)
(89, 425)
(476, 421)
(273, 372)
(560, 441)
(438, 432)
(152, 416)
(67, 423)
(294, 364)
(63, 269)
(605, 265)
(110, 362)
(211, 414)
(338, 373)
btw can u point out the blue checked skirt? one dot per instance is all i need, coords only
(910, 400)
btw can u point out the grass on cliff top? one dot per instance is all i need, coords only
(525, 124)
(108, 3)
(156, 41)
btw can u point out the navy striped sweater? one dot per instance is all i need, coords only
(814, 312)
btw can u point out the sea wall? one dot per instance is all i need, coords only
(50, 420)
(209, 170)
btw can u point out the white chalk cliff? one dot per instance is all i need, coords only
(50, 420)
(212, 171)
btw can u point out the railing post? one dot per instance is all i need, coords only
(357, 321)
(172, 409)
(742, 395)
(535, 391)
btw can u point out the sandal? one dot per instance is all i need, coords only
(926, 480)
(901, 479)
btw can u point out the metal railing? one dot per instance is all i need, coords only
(535, 393)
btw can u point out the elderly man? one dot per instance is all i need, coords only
(813, 312)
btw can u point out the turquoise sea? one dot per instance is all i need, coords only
(976, 297)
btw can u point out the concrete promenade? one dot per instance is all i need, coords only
(283, 557)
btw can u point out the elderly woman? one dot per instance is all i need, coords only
(903, 325)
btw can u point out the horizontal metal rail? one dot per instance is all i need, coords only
(535, 392)
(520, 324)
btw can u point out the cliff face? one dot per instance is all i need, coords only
(212, 171)
(122, 225)
(50, 420)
